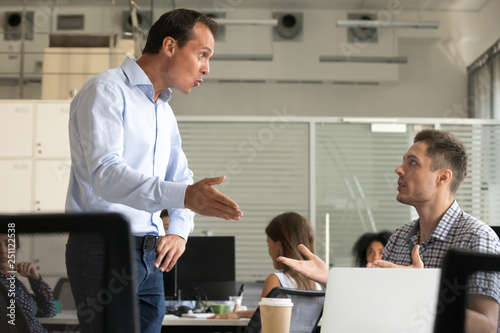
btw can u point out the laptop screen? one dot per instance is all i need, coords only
(381, 300)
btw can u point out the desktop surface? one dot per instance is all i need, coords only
(67, 321)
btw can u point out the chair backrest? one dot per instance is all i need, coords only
(11, 312)
(306, 311)
(458, 265)
(121, 310)
(62, 293)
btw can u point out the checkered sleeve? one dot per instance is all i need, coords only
(485, 283)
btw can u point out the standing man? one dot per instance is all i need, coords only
(432, 171)
(127, 158)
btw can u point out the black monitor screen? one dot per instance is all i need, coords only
(206, 270)
(496, 229)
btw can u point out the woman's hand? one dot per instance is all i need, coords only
(229, 315)
(28, 270)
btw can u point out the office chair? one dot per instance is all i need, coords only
(306, 311)
(121, 309)
(21, 324)
(458, 265)
(62, 293)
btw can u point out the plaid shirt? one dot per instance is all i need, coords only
(455, 230)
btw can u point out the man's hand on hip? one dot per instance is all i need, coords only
(169, 251)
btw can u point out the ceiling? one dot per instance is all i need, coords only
(427, 5)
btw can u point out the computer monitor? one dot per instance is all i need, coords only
(206, 270)
(496, 229)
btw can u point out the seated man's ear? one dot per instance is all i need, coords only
(445, 176)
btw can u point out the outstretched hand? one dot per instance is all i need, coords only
(415, 256)
(204, 199)
(314, 268)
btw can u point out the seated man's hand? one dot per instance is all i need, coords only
(313, 268)
(416, 261)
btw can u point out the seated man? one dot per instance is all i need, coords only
(431, 172)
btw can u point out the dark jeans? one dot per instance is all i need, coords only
(93, 287)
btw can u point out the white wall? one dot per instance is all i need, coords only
(429, 86)
(489, 28)
(432, 84)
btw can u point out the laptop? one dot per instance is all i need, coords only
(396, 300)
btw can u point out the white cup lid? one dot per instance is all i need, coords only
(276, 301)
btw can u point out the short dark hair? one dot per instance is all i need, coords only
(446, 151)
(178, 24)
(361, 245)
(164, 213)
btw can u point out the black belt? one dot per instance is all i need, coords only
(147, 243)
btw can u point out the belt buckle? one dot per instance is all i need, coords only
(149, 243)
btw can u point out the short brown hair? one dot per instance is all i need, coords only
(446, 151)
(178, 24)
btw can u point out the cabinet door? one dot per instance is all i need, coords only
(52, 139)
(15, 177)
(16, 130)
(51, 185)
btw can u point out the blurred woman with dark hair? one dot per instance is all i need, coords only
(369, 247)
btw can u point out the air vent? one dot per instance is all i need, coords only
(289, 26)
(362, 34)
(12, 26)
(143, 18)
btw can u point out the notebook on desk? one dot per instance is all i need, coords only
(380, 300)
(197, 315)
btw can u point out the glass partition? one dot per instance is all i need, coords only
(356, 183)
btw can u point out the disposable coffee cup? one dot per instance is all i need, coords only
(275, 314)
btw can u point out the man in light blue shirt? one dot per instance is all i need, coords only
(127, 158)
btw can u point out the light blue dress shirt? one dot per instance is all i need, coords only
(126, 154)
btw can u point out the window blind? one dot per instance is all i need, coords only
(268, 173)
(479, 193)
(356, 184)
(267, 170)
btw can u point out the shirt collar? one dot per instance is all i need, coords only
(443, 227)
(137, 77)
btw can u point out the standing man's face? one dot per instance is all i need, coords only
(190, 63)
(417, 183)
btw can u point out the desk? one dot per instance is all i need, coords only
(67, 321)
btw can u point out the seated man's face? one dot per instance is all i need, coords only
(417, 182)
